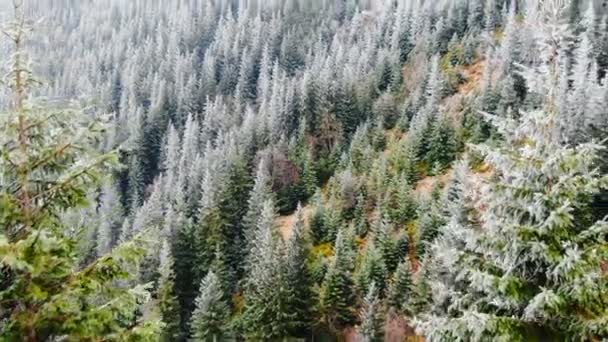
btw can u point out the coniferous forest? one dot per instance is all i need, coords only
(304, 170)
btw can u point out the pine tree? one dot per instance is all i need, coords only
(442, 144)
(373, 271)
(371, 328)
(110, 213)
(165, 293)
(264, 316)
(186, 272)
(299, 296)
(337, 294)
(386, 108)
(47, 166)
(402, 206)
(211, 312)
(384, 241)
(525, 271)
(401, 289)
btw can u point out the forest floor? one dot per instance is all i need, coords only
(285, 223)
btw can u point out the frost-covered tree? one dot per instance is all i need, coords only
(110, 214)
(209, 319)
(528, 268)
(372, 323)
(299, 296)
(261, 192)
(165, 293)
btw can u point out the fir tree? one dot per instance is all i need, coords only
(47, 167)
(299, 296)
(165, 293)
(373, 271)
(337, 294)
(264, 316)
(401, 289)
(371, 328)
(211, 312)
(383, 239)
(525, 271)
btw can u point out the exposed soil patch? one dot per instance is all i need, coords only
(285, 223)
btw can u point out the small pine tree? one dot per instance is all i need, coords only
(211, 311)
(165, 296)
(401, 288)
(299, 296)
(337, 294)
(373, 271)
(371, 328)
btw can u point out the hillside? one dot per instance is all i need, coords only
(349, 170)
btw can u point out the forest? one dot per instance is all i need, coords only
(304, 170)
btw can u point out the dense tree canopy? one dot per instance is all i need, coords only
(261, 170)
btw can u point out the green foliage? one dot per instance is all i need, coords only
(47, 167)
(298, 281)
(165, 296)
(400, 290)
(211, 311)
(386, 243)
(442, 143)
(185, 254)
(265, 315)
(337, 294)
(402, 206)
(372, 271)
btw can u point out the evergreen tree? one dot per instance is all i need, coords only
(524, 272)
(337, 294)
(373, 271)
(383, 239)
(371, 328)
(299, 295)
(264, 316)
(261, 192)
(165, 293)
(401, 289)
(185, 254)
(110, 213)
(402, 206)
(211, 312)
(47, 167)
(442, 144)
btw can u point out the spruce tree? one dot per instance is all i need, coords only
(371, 328)
(47, 166)
(337, 293)
(211, 312)
(299, 296)
(264, 316)
(535, 261)
(384, 241)
(165, 293)
(373, 271)
(401, 289)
